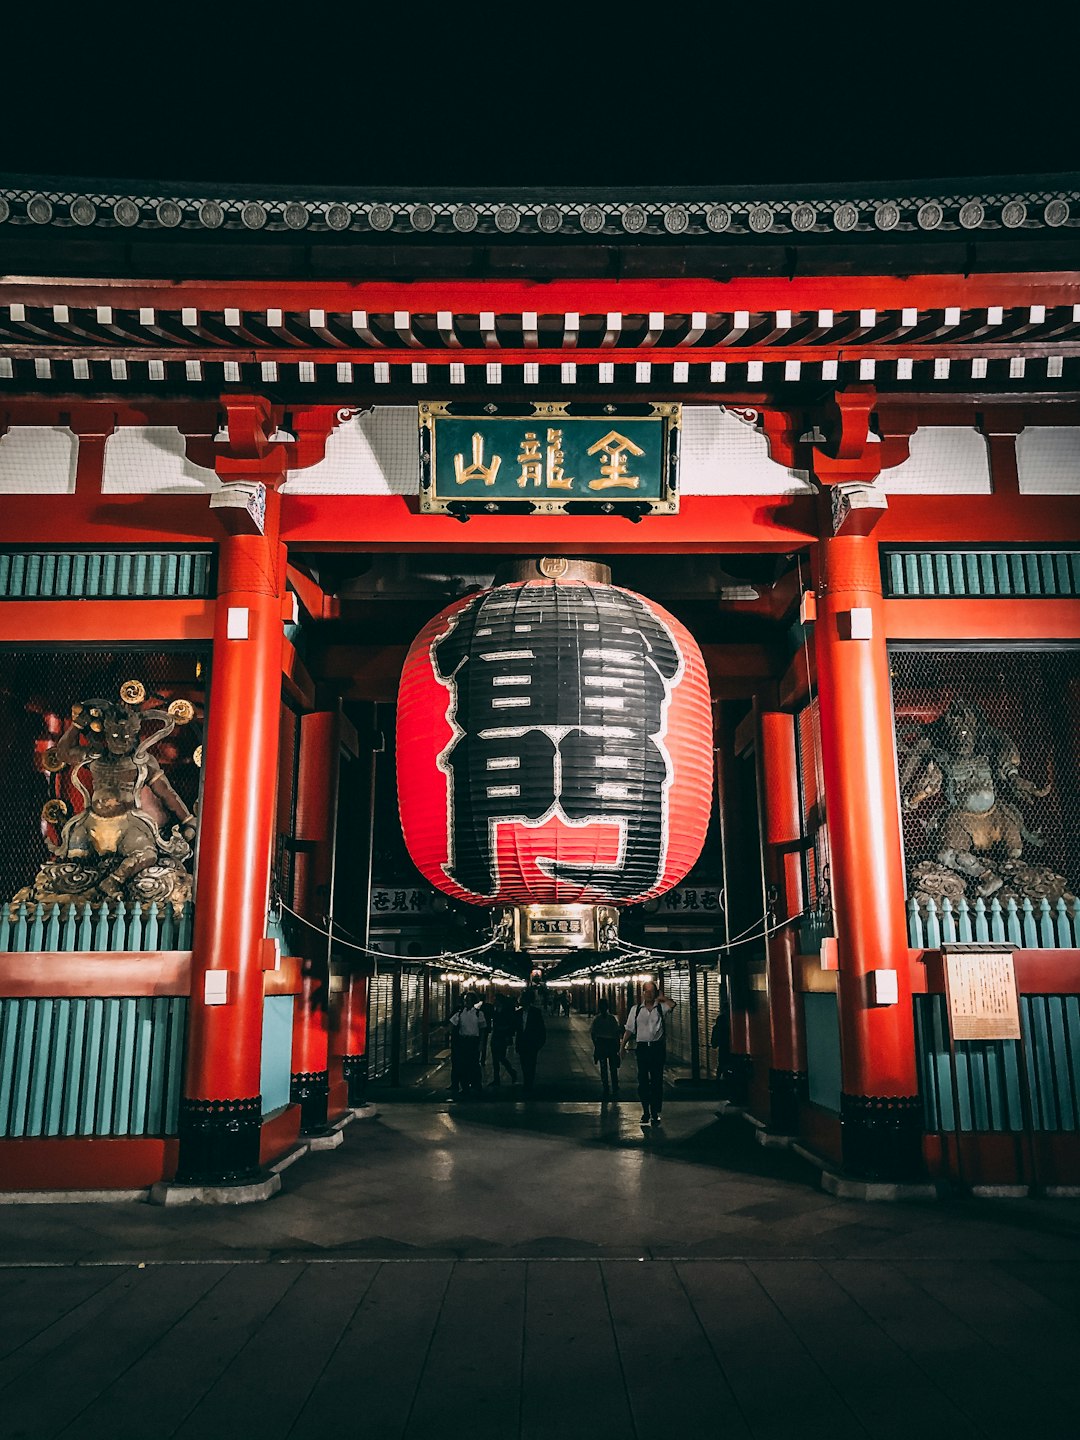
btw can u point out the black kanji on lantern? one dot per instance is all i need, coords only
(557, 698)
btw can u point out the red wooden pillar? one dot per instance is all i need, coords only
(781, 833)
(350, 1038)
(221, 1108)
(736, 1082)
(880, 1112)
(316, 791)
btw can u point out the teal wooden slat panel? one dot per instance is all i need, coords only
(73, 1073)
(24, 1054)
(9, 1029)
(95, 1021)
(110, 1040)
(85, 1066)
(104, 574)
(1040, 1068)
(1064, 1100)
(143, 1026)
(157, 1077)
(276, 1052)
(991, 573)
(58, 1068)
(823, 1049)
(40, 1068)
(125, 1068)
(177, 1025)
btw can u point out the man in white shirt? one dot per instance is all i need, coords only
(645, 1026)
(469, 1023)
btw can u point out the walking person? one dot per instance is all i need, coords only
(645, 1027)
(720, 1040)
(487, 1009)
(606, 1031)
(530, 1039)
(470, 1022)
(455, 1049)
(504, 1032)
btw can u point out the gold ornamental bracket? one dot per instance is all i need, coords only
(550, 458)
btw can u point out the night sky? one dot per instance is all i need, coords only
(512, 96)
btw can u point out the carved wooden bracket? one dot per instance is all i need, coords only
(250, 453)
(846, 456)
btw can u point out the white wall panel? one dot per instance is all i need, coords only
(944, 460)
(1048, 460)
(38, 460)
(723, 455)
(377, 453)
(150, 460)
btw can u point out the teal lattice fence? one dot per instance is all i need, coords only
(114, 926)
(91, 1065)
(1024, 925)
(989, 574)
(104, 574)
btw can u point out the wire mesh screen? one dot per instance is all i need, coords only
(989, 778)
(38, 688)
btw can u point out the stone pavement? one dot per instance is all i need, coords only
(541, 1269)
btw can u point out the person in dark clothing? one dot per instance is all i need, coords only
(606, 1032)
(455, 1049)
(645, 1026)
(720, 1040)
(470, 1023)
(531, 1038)
(488, 1011)
(504, 1032)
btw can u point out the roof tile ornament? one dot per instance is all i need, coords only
(1000, 204)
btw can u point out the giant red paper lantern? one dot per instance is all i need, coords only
(554, 745)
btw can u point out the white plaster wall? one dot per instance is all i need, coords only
(150, 460)
(38, 460)
(1048, 460)
(944, 460)
(377, 453)
(723, 455)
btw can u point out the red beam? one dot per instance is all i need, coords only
(1015, 619)
(591, 297)
(704, 524)
(37, 621)
(76, 1162)
(78, 972)
(975, 519)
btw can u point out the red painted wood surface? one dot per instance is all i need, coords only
(858, 748)
(237, 820)
(1038, 972)
(40, 621)
(982, 620)
(86, 1163)
(279, 1134)
(592, 297)
(110, 973)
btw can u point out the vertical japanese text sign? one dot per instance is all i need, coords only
(549, 460)
(980, 989)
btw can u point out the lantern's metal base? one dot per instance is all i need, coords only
(557, 930)
(555, 567)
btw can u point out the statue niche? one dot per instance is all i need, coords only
(133, 835)
(981, 834)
